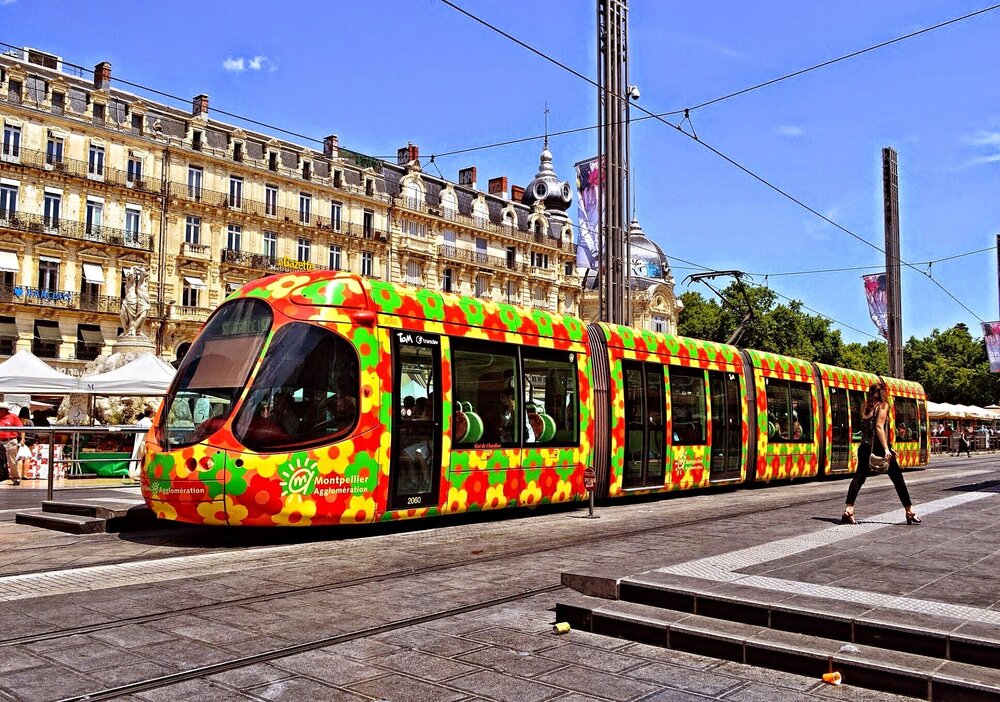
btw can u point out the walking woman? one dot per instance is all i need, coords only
(874, 439)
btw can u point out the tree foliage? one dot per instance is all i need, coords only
(951, 365)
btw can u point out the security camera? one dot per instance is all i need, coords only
(633, 92)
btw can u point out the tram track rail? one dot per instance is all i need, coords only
(776, 502)
(294, 649)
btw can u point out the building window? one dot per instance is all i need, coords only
(37, 89)
(271, 200)
(195, 175)
(570, 268)
(414, 273)
(8, 333)
(270, 244)
(482, 286)
(539, 294)
(335, 258)
(234, 237)
(449, 237)
(11, 142)
(449, 204)
(338, 179)
(413, 196)
(118, 110)
(134, 169)
(136, 119)
(196, 140)
(8, 201)
(189, 295)
(95, 162)
(95, 218)
(511, 292)
(192, 230)
(235, 192)
(447, 281)
(47, 339)
(53, 203)
(133, 217)
(99, 110)
(53, 150)
(335, 214)
(89, 342)
(369, 187)
(414, 228)
(304, 250)
(659, 325)
(238, 151)
(368, 226)
(539, 260)
(367, 263)
(306, 170)
(272, 161)
(305, 207)
(48, 273)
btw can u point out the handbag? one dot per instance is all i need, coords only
(878, 464)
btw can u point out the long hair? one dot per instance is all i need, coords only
(877, 394)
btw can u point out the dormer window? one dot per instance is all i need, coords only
(272, 161)
(196, 140)
(370, 187)
(306, 170)
(338, 179)
(238, 151)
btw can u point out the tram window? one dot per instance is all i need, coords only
(215, 371)
(687, 403)
(789, 411)
(485, 395)
(550, 397)
(907, 425)
(306, 391)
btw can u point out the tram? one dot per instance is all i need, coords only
(327, 398)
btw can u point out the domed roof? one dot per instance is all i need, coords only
(648, 260)
(546, 187)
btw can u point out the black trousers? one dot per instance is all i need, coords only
(895, 474)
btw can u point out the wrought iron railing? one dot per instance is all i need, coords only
(40, 224)
(60, 298)
(263, 262)
(75, 168)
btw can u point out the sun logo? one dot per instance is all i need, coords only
(298, 476)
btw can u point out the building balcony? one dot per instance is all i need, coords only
(70, 229)
(264, 263)
(65, 299)
(183, 313)
(483, 260)
(73, 168)
(200, 252)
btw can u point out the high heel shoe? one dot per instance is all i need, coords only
(848, 518)
(912, 518)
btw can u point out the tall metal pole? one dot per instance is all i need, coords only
(894, 313)
(613, 143)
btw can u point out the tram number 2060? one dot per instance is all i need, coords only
(414, 500)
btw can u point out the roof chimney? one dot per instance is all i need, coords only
(498, 187)
(516, 193)
(410, 152)
(331, 145)
(199, 106)
(467, 177)
(102, 75)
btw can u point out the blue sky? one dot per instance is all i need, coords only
(383, 73)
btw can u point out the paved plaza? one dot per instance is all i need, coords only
(463, 609)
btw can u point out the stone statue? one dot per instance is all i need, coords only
(135, 304)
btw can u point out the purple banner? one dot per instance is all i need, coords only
(991, 335)
(588, 208)
(877, 301)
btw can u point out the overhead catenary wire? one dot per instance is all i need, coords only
(711, 148)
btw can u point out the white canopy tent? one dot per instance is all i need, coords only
(26, 374)
(943, 410)
(146, 375)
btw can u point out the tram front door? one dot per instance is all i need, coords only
(645, 429)
(727, 440)
(415, 458)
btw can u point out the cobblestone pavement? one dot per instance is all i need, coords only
(81, 614)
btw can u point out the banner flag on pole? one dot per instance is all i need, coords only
(878, 302)
(588, 204)
(991, 335)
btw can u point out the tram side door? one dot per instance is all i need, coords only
(840, 418)
(727, 440)
(645, 429)
(415, 458)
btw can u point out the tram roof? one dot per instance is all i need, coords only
(308, 294)
(698, 351)
(862, 380)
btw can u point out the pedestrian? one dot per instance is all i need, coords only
(964, 443)
(9, 440)
(139, 445)
(874, 440)
(25, 451)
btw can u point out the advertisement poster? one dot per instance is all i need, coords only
(991, 335)
(589, 204)
(878, 301)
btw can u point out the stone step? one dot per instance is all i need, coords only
(70, 523)
(860, 665)
(103, 508)
(804, 615)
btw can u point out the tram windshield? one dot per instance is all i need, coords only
(305, 393)
(215, 371)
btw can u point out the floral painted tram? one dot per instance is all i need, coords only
(326, 398)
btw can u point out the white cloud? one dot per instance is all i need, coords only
(233, 64)
(257, 62)
(985, 138)
(242, 63)
(789, 130)
(7, 2)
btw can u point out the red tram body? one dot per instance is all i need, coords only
(326, 398)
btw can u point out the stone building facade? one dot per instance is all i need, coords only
(95, 180)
